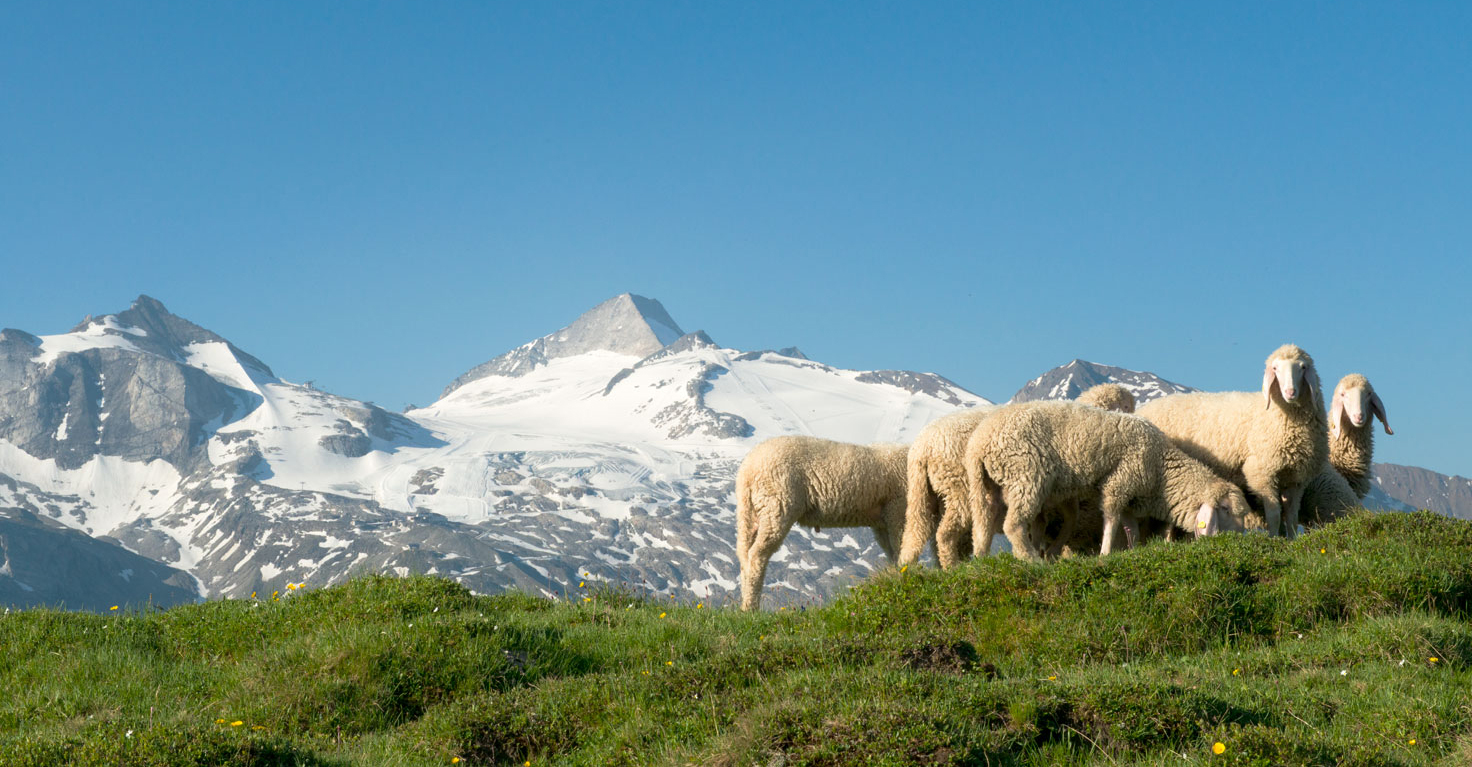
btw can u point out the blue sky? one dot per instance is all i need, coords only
(379, 196)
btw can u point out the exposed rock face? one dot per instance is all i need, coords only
(44, 563)
(131, 394)
(1425, 489)
(627, 324)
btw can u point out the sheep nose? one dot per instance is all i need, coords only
(1289, 394)
(1359, 419)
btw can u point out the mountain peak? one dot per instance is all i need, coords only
(625, 324)
(1072, 379)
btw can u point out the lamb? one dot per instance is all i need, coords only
(938, 505)
(1346, 480)
(1031, 456)
(819, 483)
(1108, 396)
(1271, 450)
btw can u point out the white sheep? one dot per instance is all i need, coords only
(1271, 447)
(1346, 480)
(1109, 396)
(1028, 457)
(938, 504)
(818, 483)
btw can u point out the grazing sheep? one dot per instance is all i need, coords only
(819, 483)
(1028, 457)
(1088, 523)
(1109, 396)
(1271, 448)
(1346, 480)
(938, 504)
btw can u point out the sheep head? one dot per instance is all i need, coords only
(1291, 371)
(1355, 402)
(1226, 510)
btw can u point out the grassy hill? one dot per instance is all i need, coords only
(1347, 646)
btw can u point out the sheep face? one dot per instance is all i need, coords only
(1355, 402)
(1227, 511)
(1291, 374)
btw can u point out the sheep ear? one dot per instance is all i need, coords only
(1311, 387)
(1378, 409)
(1269, 377)
(1336, 413)
(1206, 523)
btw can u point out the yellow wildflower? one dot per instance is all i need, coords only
(1218, 748)
(114, 607)
(219, 721)
(1323, 551)
(456, 760)
(1434, 660)
(661, 615)
(699, 605)
(252, 595)
(581, 584)
(1236, 672)
(906, 567)
(1053, 678)
(1412, 743)
(669, 663)
(236, 723)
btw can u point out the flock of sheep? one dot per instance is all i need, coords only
(1072, 478)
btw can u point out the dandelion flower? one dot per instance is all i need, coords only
(699, 605)
(1412, 743)
(456, 760)
(587, 599)
(236, 723)
(276, 593)
(258, 727)
(661, 615)
(1218, 748)
(252, 595)
(582, 584)
(1053, 678)
(669, 663)
(1434, 660)
(906, 567)
(1323, 551)
(1236, 672)
(114, 607)
(219, 721)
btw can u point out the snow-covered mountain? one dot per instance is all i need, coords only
(603, 451)
(144, 457)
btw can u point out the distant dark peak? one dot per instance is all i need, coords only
(793, 352)
(13, 336)
(696, 340)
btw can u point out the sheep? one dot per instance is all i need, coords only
(937, 502)
(819, 483)
(1108, 396)
(1271, 450)
(1031, 456)
(1088, 522)
(1346, 480)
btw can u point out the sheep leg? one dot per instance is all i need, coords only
(1292, 502)
(1111, 505)
(952, 536)
(1263, 483)
(766, 539)
(922, 510)
(1071, 514)
(1024, 504)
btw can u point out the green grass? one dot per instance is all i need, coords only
(1315, 651)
